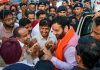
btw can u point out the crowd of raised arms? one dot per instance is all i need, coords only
(49, 35)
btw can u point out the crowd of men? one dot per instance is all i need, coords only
(42, 36)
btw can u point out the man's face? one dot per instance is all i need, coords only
(14, 16)
(96, 32)
(29, 28)
(42, 7)
(24, 35)
(42, 16)
(13, 8)
(58, 31)
(72, 3)
(62, 13)
(52, 11)
(9, 21)
(86, 4)
(54, 2)
(31, 17)
(78, 10)
(24, 7)
(2, 6)
(64, 3)
(44, 30)
(69, 12)
(32, 7)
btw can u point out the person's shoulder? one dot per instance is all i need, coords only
(78, 68)
(18, 66)
(96, 68)
(72, 16)
(35, 36)
(75, 37)
(2, 63)
(1, 26)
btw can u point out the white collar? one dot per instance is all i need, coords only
(21, 44)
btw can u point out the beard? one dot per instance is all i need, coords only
(9, 26)
(30, 31)
(27, 42)
(60, 36)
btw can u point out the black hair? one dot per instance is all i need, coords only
(45, 22)
(61, 20)
(42, 3)
(39, 13)
(61, 8)
(65, 1)
(21, 4)
(52, 7)
(5, 13)
(14, 6)
(32, 4)
(97, 21)
(89, 51)
(16, 33)
(24, 22)
(27, 13)
(87, 1)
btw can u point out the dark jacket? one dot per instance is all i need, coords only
(78, 68)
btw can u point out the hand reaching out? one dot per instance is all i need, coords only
(33, 41)
(34, 50)
(50, 46)
(48, 53)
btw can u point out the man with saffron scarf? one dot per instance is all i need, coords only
(64, 55)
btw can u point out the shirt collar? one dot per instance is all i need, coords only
(21, 44)
(41, 37)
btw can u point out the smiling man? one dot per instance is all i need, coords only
(45, 35)
(64, 58)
